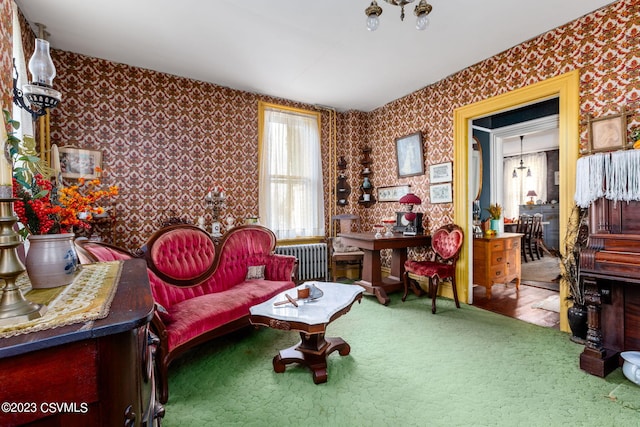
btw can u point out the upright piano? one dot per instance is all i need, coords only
(610, 273)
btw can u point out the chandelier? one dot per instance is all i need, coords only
(522, 167)
(421, 11)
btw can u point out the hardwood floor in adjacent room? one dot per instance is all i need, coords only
(507, 301)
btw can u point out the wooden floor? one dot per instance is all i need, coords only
(517, 304)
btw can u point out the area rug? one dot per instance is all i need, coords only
(551, 303)
(407, 367)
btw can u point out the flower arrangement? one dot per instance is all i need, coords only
(495, 211)
(44, 209)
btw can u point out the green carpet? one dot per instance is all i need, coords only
(407, 367)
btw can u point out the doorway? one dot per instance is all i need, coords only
(566, 88)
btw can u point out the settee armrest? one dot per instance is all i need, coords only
(280, 267)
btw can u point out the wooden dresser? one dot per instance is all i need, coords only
(496, 260)
(88, 374)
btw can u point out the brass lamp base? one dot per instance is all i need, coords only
(14, 308)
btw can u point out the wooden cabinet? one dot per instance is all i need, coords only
(550, 218)
(496, 260)
(87, 374)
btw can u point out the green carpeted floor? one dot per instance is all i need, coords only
(407, 367)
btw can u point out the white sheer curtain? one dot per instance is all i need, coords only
(516, 189)
(291, 197)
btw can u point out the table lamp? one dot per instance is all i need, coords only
(410, 200)
(531, 194)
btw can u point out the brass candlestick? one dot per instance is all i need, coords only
(14, 308)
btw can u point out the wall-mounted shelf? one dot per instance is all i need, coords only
(366, 188)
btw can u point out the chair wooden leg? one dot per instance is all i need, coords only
(455, 292)
(433, 289)
(523, 249)
(405, 281)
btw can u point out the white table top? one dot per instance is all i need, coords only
(336, 297)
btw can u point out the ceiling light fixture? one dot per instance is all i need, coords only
(40, 93)
(422, 10)
(522, 166)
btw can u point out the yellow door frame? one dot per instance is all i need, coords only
(565, 87)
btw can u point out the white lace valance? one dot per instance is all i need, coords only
(615, 176)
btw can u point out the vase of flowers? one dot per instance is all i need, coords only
(495, 211)
(49, 216)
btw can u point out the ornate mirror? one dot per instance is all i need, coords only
(476, 169)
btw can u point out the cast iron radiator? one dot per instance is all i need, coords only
(312, 260)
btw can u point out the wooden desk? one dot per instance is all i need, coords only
(372, 280)
(103, 371)
(496, 260)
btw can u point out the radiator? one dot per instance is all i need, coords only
(312, 260)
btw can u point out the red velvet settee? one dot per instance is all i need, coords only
(203, 288)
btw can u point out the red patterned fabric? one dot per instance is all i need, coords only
(195, 316)
(103, 253)
(446, 244)
(429, 268)
(183, 253)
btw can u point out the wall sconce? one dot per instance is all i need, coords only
(410, 200)
(40, 94)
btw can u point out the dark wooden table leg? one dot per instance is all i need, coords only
(312, 351)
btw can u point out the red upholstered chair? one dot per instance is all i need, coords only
(446, 243)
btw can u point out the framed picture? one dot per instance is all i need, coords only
(608, 133)
(409, 155)
(441, 193)
(78, 163)
(442, 172)
(392, 194)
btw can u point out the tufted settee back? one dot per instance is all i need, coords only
(185, 262)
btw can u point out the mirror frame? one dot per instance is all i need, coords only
(476, 146)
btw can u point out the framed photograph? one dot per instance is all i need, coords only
(409, 155)
(442, 172)
(441, 193)
(78, 163)
(608, 133)
(392, 194)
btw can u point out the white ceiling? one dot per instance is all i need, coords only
(316, 52)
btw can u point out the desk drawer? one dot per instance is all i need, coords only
(498, 258)
(496, 245)
(497, 274)
(512, 244)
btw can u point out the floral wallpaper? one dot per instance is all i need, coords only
(166, 139)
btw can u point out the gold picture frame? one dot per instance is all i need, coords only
(608, 133)
(79, 163)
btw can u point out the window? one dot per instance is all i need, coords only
(516, 189)
(291, 195)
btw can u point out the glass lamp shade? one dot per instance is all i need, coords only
(422, 22)
(41, 66)
(373, 22)
(410, 216)
(410, 199)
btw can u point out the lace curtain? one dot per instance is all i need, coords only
(516, 189)
(291, 196)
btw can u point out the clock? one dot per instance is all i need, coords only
(402, 223)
